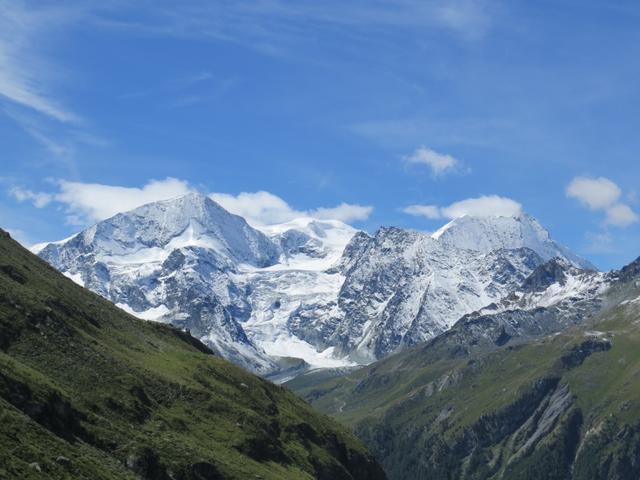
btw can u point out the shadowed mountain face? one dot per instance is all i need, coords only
(498, 397)
(88, 391)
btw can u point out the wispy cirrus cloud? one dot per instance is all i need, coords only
(33, 82)
(186, 90)
(38, 131)
(39, 199)
(25, 74)
(476, 132)
(275, 27)
(30, 79)
(271, 27)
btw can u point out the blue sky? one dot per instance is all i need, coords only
(375, 112)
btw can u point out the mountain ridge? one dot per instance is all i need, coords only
(317, 290)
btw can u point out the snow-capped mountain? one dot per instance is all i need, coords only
(175, 261)
(315, 290)
(404, 287)
(190, 262)
(485, 234)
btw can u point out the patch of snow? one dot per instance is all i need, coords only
(329, 236)
(631, 301)
(292, 346)
(594, 333)
(76, 277)
(154, 313)
(577, 285)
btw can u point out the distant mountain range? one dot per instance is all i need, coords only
(307, 294)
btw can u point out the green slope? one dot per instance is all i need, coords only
(87, 391)
(562, 407)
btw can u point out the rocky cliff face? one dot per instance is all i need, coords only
(403, 287)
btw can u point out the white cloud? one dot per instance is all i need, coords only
(94, 201)
(265, 208)
(427, 211)
(258, 208)
(91, 202)
(602, 194)
(39, 199)
(484, 206)
(595, 193)
(439, 163)
(345, 212)
(621, 215)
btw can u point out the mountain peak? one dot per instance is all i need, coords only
(189, 220)
(193, 205)
(488, 233)
(503, 222)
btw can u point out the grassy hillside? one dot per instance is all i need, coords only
(87, 391)
(562, 407)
